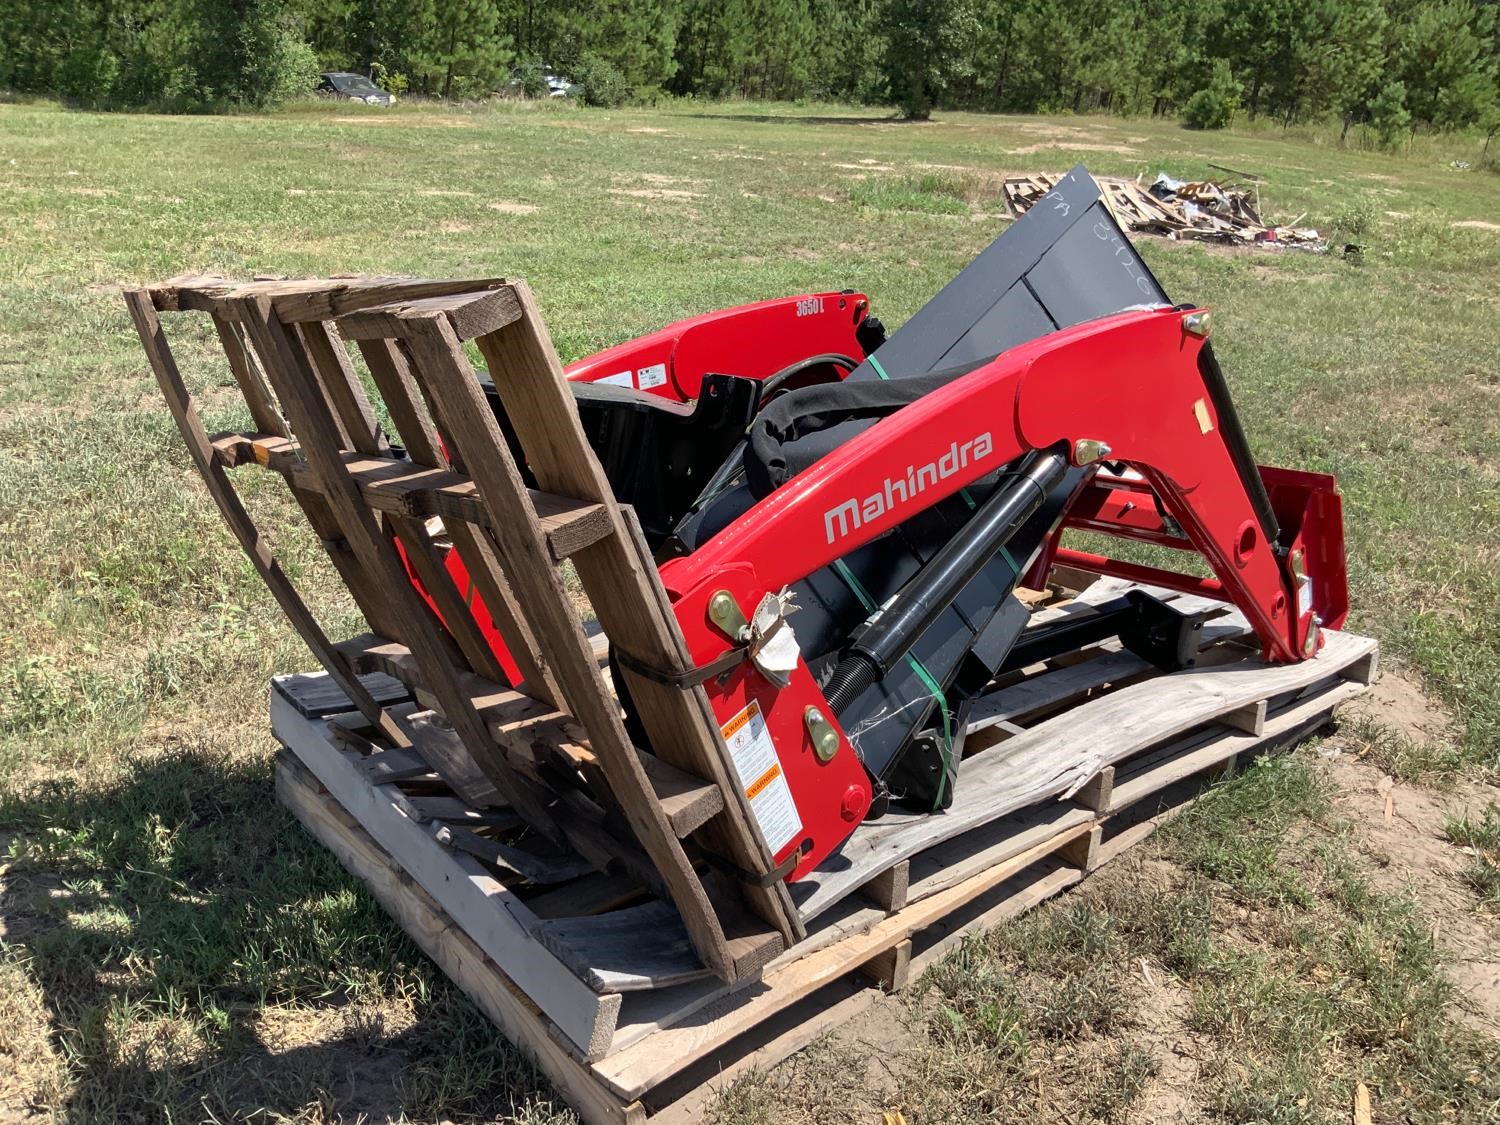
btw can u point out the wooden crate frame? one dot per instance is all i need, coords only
(627, 1032)
(552, 748)
(661, 1055)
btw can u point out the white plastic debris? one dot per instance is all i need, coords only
(773, 645)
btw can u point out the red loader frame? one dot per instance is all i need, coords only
(1125, 392)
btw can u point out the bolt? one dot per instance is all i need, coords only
(825, 739)
(1087, 450)
(1197, 324)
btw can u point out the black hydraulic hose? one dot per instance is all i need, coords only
(892, 629)
(1239, 445)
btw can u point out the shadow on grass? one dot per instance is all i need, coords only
(198, 955)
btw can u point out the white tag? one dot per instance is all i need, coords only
(618, 379)
(1304, 594)
(761, 777)
(653, 376)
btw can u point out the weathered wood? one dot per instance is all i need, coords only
(1096, 791)
(317, 695)
(409, 489)
(619, 577)
(185, 414)
(491, 915)
(531, 731)
(466, 314)
(635, 1069)
(888, 890)
(890, 968)
(544, 870)
(289, 371)
(593, 894)
(460, 409)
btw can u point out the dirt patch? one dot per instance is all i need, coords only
(447, 226)
(444, 192)
(1398, 701)
(863, 167)
(656, 193)
(1476, 224)
(507, 207)
(652, 129)
(413, 121)
(1075, 146)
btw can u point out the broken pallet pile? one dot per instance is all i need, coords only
(1067, 765)
(1203, 210)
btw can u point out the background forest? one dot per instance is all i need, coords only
(1398, 65)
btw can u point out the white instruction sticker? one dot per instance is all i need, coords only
(653, 376)
(760, 775)
(618, 379)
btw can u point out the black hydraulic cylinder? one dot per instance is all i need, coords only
(1239, 445)
(892, 629)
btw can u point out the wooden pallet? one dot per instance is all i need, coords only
(442, 475)
(1067, 767)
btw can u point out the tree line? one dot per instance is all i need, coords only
(1396, 64)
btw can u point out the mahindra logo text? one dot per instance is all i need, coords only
(852, 513)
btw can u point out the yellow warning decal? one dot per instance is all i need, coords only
(762, 781)
(736, 724)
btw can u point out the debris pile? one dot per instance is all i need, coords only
(1204, 210)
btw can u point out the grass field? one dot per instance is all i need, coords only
(174, 947)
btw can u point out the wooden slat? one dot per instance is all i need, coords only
(490, 914)
(467, 315)
(185, 413)
(464, 417)
(287, 368)
(620, 578)
(532, 731)
(341, 387)
(263, 410)
(406, 488)
(391, 372)
(393, 379)
(299, 302)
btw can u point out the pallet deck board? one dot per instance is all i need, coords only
(1045, 762)
(639, 1030)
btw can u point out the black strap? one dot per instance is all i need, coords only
(691, 678)
(740, 875)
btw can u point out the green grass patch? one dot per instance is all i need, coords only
(1481, 835)
(931, 193)
(168, 916)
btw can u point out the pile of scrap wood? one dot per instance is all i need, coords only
(1203, 210)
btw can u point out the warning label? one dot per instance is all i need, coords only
(760, 774)
(648, 377)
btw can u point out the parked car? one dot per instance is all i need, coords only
(353, 87)
(557, 85)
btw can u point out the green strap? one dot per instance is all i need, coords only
(922, 674)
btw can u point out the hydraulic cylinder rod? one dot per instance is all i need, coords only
(893, 628)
